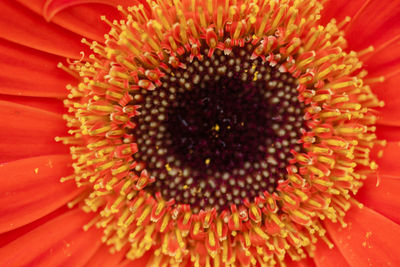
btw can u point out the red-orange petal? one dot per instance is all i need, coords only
(31, 188)
(339, 9)
(20, 25)
(75, 250)
(143, 261)
(385, 59)
(370, 239)
(52, 7)
(28, 72)
(103, 257)
(389, 133)
(381, 193)
(58, 236)
(12, 235)
(328, 257)
(307, 262)
(388, 162)
(375, 24)
(28, 132)
(86, 20)
(83, 19)
(388, 92)
(48, 104)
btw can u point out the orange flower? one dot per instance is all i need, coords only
(191, 191)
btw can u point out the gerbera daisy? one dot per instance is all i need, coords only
(199, 133)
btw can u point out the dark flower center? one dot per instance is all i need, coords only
(220, 130)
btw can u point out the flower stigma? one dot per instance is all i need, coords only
(220, 133)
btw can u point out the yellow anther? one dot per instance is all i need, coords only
(238, 30)
(379, 79)
(276, 219)
(329, 161)
(365, 51)
(168, 167)
(193, 28)
(323, 182)
(120, 169)
(162, 18)
(301, 194)
(202, 17)
(342, 85)
(143, 216)
(262, 26)
(105, 166)
(316, 171)
(338, 143)
(326, 71)
(278, 17)
(255, 76)
(293, 46)
(219, 17)
(260, 232)
(164, 223)
(100, 130)
(211, 237)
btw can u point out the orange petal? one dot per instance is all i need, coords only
(143, 261)
(389, 133)
(370, 239)
(103, 257)
(28, 72)
(52, 7)
(381, 193)
(22, 26)
(28, 132)
(388, 92)
(83, 19)
(339, 9)
(385, 59)
(307, 262)
(31, 188)
(12, 235)
(48, 104)
(389, 161)
(60, 237)
(376, 23)
(74, 250)
(326, 257)
(86, 20)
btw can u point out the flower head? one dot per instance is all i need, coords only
(220, 132)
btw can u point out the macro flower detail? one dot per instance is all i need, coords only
(220, 133)
(206, 133)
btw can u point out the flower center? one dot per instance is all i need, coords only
(187, 131)
(220, 130)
